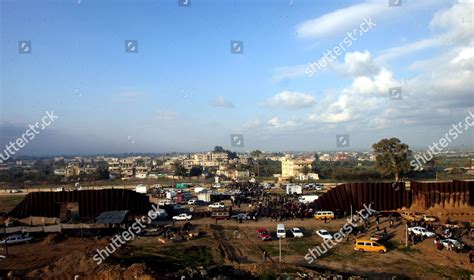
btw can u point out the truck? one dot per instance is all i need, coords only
(294, 189)
(141, 189)
(308, 198)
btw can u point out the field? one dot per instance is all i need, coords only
(231, 248)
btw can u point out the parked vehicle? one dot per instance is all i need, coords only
(200, 203)
(411, 216)
(178, 207)
(321, 215)
(216, 205)
(241, 216)
(294, 189)
(379, 236)
(296, 232)
(182, 217)
(165, 202)
(308, 198)
(281, 232)
(263, 234)
(369, 246)
(16, 191)
(448, 242)
(16, 239)
(421, 231)
(428, 218)
(220, 215)
(324, 234)
(192, 202)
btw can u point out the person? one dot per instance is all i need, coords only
(264, 255)
(325, 219)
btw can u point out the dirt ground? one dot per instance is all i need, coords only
(229, 247)
(229, 243)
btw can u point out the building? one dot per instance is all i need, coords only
(293, 168)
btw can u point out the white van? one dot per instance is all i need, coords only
(281, 232)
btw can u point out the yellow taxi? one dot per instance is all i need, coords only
(321, 215)
(369, 246)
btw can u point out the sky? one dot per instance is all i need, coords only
(186, 88)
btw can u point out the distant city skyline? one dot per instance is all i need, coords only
(156, 77)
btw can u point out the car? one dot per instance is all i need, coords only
(192, 202)
(216, 205)
(369, 246)
(165, 202)
(16, 239)
(281, 232)
(178, 207)
(411, 216)
(324, 234)
(379, 236)
(240, 216)
(449, 241)
(182, 217)
(16, 191)
(421, 231)
(200, 202)
(263, 234)
(296, 232)
(321, 215)
(428, 218)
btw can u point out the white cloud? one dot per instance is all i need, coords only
(221, 102)
(341, 20)
(289, 72)
(455, 21)
(358, 64)
(291, 100)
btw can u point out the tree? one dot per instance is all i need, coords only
(315, 164)
(219, 149)
(195, 171)
(256, 154)
(179, 169)
(391, 157)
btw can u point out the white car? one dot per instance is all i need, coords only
(192, 202)
(296, 232)
(16, 239)
(182, 217)
(324, 234)
(421, 231)
(165, 202)
(447, 242)
(216, 205)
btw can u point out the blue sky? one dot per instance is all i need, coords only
(185, 91)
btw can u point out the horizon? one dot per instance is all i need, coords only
(157, 76)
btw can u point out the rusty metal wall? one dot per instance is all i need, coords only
(91, 203)
(389, 196)
(443, 194)
(383, 196)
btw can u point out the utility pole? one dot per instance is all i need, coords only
(406, 234)
(279, 242)
(351, 212)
